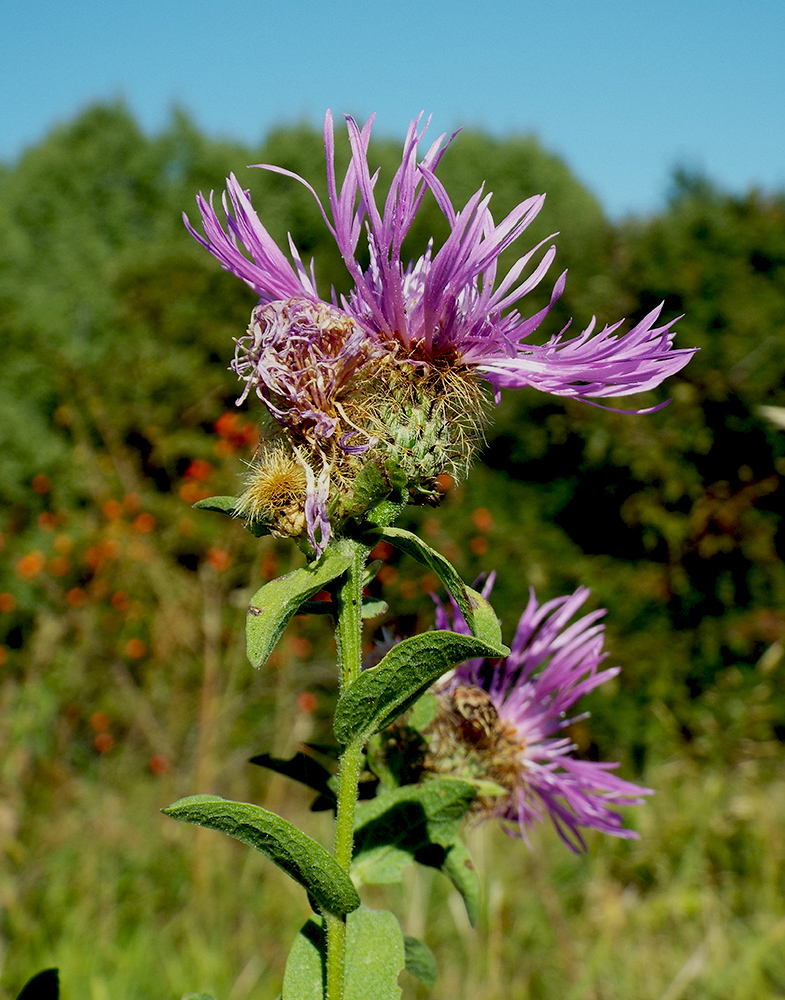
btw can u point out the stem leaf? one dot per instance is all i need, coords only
(379, 695)
(301, 767)
(408, 542)
(419, 960)
(277, 602)
(459, 869)
(412, 823)
(375, 957)
(307, 862)
(228, 505)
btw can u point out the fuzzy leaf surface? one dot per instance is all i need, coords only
(412, 823)
(379, 695)
(303, 859)
(375, 957)
(277, 602)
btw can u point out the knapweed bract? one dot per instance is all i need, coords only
(391, 376)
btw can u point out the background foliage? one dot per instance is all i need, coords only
(123, 681)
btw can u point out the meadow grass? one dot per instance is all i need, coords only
(129, 904)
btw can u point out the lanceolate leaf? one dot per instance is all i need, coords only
(274, 605)
(419, 960)
(413, 817)
(409, 543)
(459, 869)
(301, 767)
(228, 505)
(486, 623)
(375, 957)
(43, 986)
(381, 694)
(417, 823)
(307, 862)
(304, 978)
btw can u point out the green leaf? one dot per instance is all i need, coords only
(486, 622)
(43, 986)
(375, 957)
(412, 823)
(385, 512)
(459, 869)
(301, 767)
(379, 695)
(196, 996)
(277, 602)
(305, 974)
(307, 862)
(419, 960)
(374, 606)
(228, 505)
(415, 547)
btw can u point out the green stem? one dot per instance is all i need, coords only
(348, 637)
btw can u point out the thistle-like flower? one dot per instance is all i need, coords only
(393, 372)
(503, 721)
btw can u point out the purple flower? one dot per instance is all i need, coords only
(506, 719)
(447, 304)
(448, 311)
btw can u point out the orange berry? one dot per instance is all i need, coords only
(144, 523)
(382, 550)
(121, 601)
(100, 722)
(219, 559)
(387, 575)
(47, 521)
(190, 491)
(103, 742)
(300, 647)
(31, 564)
(112, 510)
(199, 469)
(444, 482)
(307, 702)
(75, 597)
(483, 521)
(479, 545)
(40, 483)
(135, 648)
(159, 764)
(7, 602)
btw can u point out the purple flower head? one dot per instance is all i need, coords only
(510, 715)
(448, 313)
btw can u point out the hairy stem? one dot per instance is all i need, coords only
(348, 636)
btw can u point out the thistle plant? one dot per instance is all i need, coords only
(369, 398)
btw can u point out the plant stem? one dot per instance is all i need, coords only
(348, 637)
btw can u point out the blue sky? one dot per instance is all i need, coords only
(622, 90)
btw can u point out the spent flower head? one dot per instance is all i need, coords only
(504, 721)
(391, 374)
